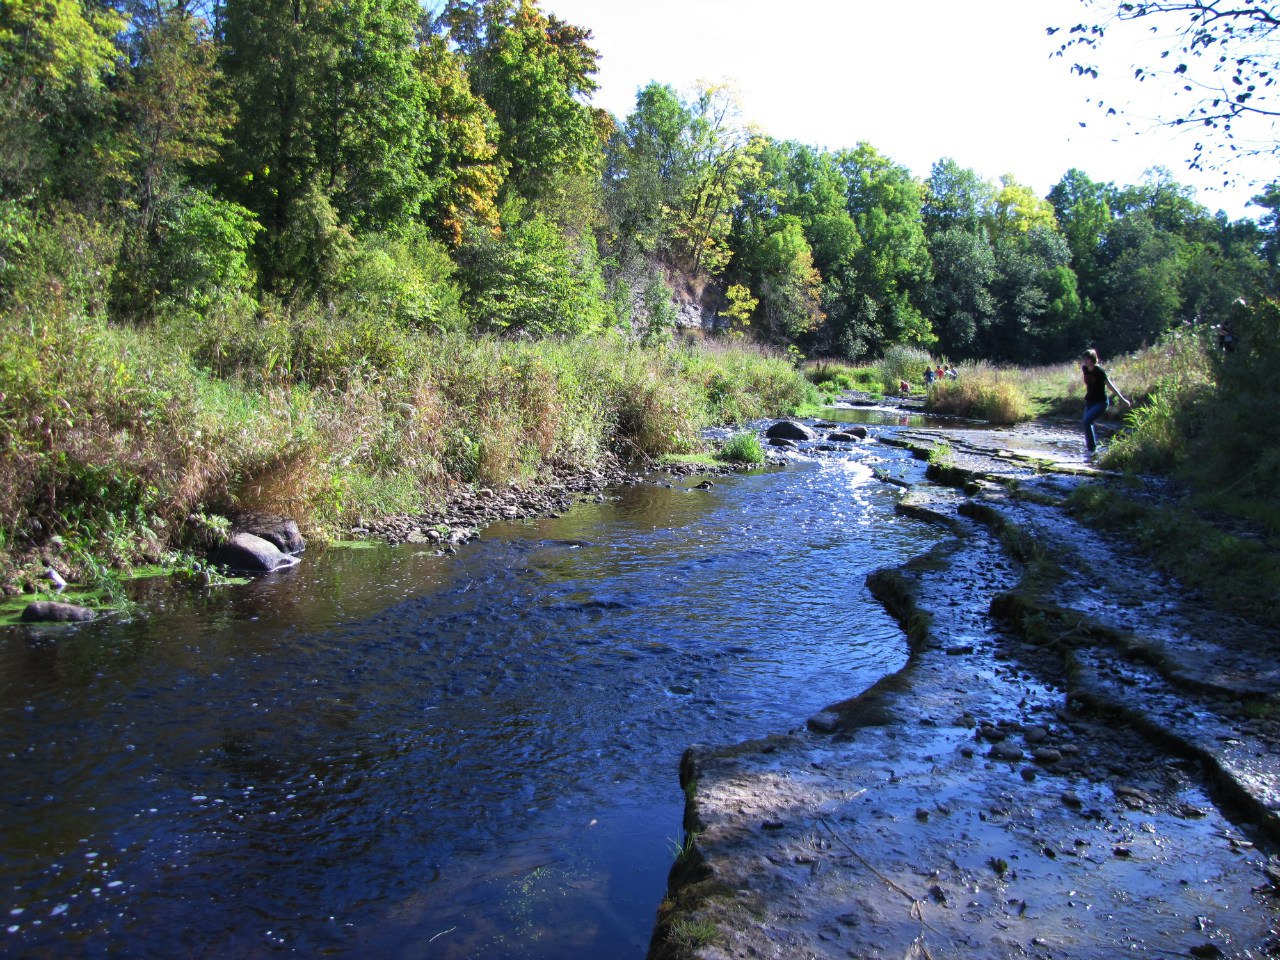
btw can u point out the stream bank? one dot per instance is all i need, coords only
(1079, 760)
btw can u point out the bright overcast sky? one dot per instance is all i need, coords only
(919, 81)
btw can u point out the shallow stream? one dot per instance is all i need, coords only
(385, 753)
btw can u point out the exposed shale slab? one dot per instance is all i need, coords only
(1077, 761)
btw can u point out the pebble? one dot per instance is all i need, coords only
(1072, 799)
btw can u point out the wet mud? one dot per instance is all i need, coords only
(1080, 759)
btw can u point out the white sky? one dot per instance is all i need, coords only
(918, 79)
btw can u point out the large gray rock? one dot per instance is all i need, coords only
(252, 554)
(50, 611)
(849, 434)
(789, 430)
(282, 531)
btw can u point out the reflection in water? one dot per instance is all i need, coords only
(385, 753)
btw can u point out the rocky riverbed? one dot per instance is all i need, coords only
(1080, 760)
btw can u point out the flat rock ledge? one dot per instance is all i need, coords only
(1065, 769)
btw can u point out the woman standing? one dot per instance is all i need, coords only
(1096, 383)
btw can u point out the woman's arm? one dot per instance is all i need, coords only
(1116, 391)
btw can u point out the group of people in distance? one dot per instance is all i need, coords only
(932, 376)
(1096, 385)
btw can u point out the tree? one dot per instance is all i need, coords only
(891, 263)
(721, 161)
(176, 116)
(955, 196)
(647, 169)
(533, 280)
(790, 286)
(1221, 59)
(330, 120)
(1083, 211)
(56, 57)
(458, 152)
(1269, 200)
(534, 71)
(959, 299)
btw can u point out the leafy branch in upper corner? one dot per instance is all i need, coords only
(1221, 61)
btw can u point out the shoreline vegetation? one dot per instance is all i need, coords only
(123, 451)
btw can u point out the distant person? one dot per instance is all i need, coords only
(952, 373)
(1096, 383)
(1226, 338)
(904, 389)
(938, 373)
(928, 378)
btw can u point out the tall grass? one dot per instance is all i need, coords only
(833, 378)
(1059, 388)
(982, 392)
(902, 363)
(123, 440)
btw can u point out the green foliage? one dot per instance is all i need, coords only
(660, 312)
(202, 259)
(941, 454)
(56, 57)
(741, 448)
(983, 394)
(534, 279)
(902, 363)
(690, 934)
(531, 69)
(459, 155)
(407, 277)
(1233, 445)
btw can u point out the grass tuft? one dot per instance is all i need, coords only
(741, 448)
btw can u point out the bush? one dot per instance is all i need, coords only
(741, 448)
(409, 278)
(535, 280)
(1233, 434)
(202, 260)
(902, 363)
(982, 393)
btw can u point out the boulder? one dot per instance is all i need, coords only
(852, 435)
(827, 721)
(50, 611)
(789, 430)
(281, 531)
(784, 443)
(250, 553)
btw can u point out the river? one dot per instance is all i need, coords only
(386, 753)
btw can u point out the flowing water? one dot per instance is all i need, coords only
(385, 753)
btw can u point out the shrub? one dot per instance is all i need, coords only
(902, 363)
(408, 277)
(741, 448)
(533, 279)
(982, 393)
(202, 259)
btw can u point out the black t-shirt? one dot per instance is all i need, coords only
(1095, 384)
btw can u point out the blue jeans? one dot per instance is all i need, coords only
(1091, 413)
